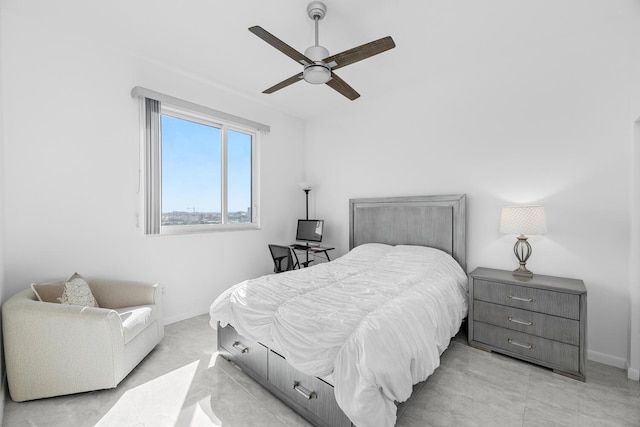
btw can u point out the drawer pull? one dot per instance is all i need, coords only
(517, 344)
(521, 322)
(521, 299)
(303, 391)
(241, 348)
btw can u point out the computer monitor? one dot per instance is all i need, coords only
(310, 230)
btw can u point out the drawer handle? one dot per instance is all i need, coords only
(521, 299)
(521, 322)
(303, 391)
(517, 344)
(241, 348)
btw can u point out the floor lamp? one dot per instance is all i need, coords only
(306, 187)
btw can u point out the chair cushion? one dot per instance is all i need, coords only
(136, 320)
(77, 292)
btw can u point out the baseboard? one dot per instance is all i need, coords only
(616, 362)
(184, 316)
(633, 373)
(607, 359)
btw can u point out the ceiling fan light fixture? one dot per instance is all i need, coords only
(316, 74)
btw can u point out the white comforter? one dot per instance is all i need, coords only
(377, 319)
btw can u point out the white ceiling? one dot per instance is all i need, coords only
(209, 38)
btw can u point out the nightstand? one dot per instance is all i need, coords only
(542, 319)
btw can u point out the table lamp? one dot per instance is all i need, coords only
(523, 221)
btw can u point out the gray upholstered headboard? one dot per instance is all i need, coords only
(435, 221)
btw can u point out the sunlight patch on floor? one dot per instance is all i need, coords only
(155, 403)
(212, 360)
(199, 414)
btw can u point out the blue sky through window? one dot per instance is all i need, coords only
(191, 167)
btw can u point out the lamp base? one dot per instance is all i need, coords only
(522, 272)
(522, 250)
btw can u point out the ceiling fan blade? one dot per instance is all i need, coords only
(279, 44)
(361, 52)
(341, 86)
(291, 80)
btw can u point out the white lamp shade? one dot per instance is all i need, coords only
(304, 185)
(527, 220)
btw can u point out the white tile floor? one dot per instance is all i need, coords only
(184, 383)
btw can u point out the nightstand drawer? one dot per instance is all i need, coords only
(542, 325)
(537, 349)
(528, 298)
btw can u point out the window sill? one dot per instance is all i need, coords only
(173, 230)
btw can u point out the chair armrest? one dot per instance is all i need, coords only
(124, 293)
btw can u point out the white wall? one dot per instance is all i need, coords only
(546, 121)
(71, 149)
(634, 262)
(2, 228)
(634, 253)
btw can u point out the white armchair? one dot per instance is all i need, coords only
(55, 349)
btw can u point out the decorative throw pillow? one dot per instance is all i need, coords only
(48, 292)
(77, 292)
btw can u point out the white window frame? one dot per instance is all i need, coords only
(179, 111)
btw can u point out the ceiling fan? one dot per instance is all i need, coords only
(318, 66)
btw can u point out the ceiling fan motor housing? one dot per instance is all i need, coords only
(317, 72)
(316, 53)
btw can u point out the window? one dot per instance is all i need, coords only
(200, 171)
(200, 160)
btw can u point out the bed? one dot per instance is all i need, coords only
(343, 342)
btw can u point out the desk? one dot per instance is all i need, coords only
(309, 248)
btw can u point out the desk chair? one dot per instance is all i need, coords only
(282, 260)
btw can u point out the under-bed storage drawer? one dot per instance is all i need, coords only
(250, 354)
(310, 392)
